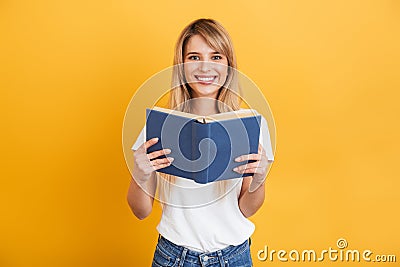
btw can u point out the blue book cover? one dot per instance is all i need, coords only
(204, 148)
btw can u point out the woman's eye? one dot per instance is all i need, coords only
(217, 57)
(194, 58)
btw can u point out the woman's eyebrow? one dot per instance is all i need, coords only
(197, 53)
(192, 53)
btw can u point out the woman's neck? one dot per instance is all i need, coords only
(203, 106)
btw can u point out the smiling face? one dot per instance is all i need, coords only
(205, 69)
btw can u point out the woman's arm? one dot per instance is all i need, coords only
(140, 199)
(252, 194)
(143, 185)
(251, 202)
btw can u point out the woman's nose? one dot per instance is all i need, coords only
(204, 66)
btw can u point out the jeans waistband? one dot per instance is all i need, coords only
(174, 250)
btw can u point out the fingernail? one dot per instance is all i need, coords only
(171, 159)
(155, 139)
(167, 150)
(235, 169)
(237, 159)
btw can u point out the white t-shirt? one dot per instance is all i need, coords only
(198, 217)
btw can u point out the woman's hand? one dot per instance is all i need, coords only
(259, 168)
(144, 166)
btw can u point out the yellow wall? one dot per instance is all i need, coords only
(68, 70)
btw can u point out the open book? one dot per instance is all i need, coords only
(204, 148)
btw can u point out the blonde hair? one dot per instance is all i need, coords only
(228, 98)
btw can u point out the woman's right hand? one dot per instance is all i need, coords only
(144, 165)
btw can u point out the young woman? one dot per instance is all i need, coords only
(195, 231)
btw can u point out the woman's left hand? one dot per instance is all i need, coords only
(259, 167)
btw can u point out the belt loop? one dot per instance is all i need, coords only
(183, 256)
(221, 259)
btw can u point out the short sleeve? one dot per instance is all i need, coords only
(265, 139)
(140, 140)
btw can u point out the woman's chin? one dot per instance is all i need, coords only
(205, 90)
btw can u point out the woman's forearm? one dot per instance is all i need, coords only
(140, 198)
(250, 203)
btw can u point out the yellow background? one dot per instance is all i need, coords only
(68, 69)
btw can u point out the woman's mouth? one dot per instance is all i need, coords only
(205, 79)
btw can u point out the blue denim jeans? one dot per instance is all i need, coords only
(168, 254)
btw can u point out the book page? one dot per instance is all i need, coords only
(242, 113)
(180, 113)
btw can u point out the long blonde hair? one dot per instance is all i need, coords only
(228, 97)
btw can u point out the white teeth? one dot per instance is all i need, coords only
(205, 79)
